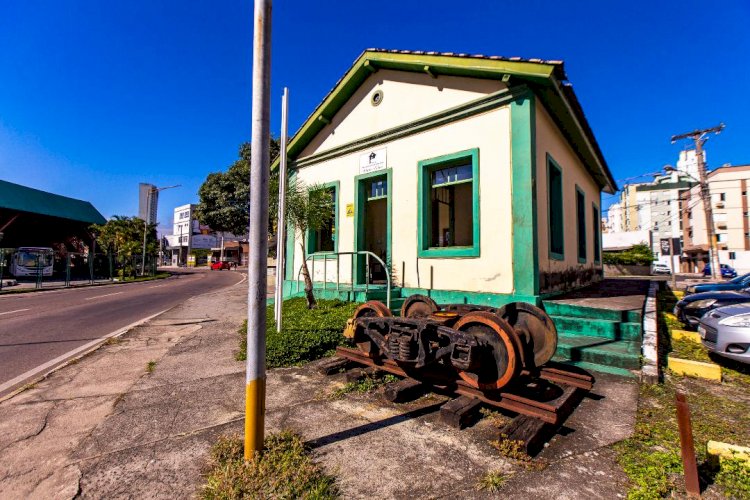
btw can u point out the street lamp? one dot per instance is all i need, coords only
(146, 222)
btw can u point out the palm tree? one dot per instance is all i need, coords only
(308, 208)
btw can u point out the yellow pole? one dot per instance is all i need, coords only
(255, 377)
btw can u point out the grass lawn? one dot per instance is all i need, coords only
(307, 334)
(285, 469)
(720, 412)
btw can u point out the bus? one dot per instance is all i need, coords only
(27, 261)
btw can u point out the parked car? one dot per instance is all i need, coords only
(726, 332)
(659, 268)
(218, 266)
(738, 283)
(692, 307)
(726, 271)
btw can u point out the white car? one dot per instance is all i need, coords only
(659, 268)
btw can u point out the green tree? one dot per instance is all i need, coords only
(123, 236)
(308, 208)
(224, 196)
(640, 255)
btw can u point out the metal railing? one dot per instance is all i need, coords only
(326, 256)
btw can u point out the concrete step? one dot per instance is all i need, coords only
(564, 309)
(609, 329)
(600, 351)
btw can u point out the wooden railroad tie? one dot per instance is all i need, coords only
(404, 390)
(334, 365)
(460, 412)
(357, 374)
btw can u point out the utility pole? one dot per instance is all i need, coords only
(699, 137)
(255, 376)
(281, 223)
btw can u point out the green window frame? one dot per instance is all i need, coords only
(425, 169)
(313, 237)
(581, 225)
(597, 233)
(555, 210)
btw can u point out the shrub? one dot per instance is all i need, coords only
(639, 255)
(307, 334)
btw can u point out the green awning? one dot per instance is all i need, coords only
(25, 199)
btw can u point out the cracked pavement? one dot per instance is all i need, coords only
(104, 427)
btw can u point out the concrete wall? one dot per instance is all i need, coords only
(491, 272)
(567, 273)
(406, 97)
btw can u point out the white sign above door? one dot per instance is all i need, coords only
(372, 161)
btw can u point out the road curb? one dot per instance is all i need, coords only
(650, 343)
(25, 291)
(32, 376)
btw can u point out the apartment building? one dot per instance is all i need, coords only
(728, 190)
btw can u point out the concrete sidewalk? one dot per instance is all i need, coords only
(104, 427)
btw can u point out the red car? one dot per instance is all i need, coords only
(218, 266)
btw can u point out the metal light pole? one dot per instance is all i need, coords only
(281, 224)
(255, 377)
(699, 137)
(149, 221)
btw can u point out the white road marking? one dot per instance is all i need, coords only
(16, 311)
(105, 295)
(155, 286)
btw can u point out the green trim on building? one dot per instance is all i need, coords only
(311, 238)
(555, 223)
(475, 107)
(581, 247)
(463, 297)
(596, 221)
(424, 219)
(360, 197)
(523, 196)
(545, 77)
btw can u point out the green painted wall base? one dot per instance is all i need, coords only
(602, 340)
(461, 297)
(377, 292)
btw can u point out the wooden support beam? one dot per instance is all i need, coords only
(12, 219)
(530, 433)
(404, 390)
(323, 119)
(369, 66)
(333, 365)
(430, 72)
(460, 412)
(357, 374)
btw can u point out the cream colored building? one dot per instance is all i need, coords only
(728, 187)
(473, 178)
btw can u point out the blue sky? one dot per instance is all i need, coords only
(97, 96)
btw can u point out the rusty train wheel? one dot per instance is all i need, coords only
(372, 308)
(536, 330)
(418, 306)
(500, 361)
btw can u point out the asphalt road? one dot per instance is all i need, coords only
(38, 327)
